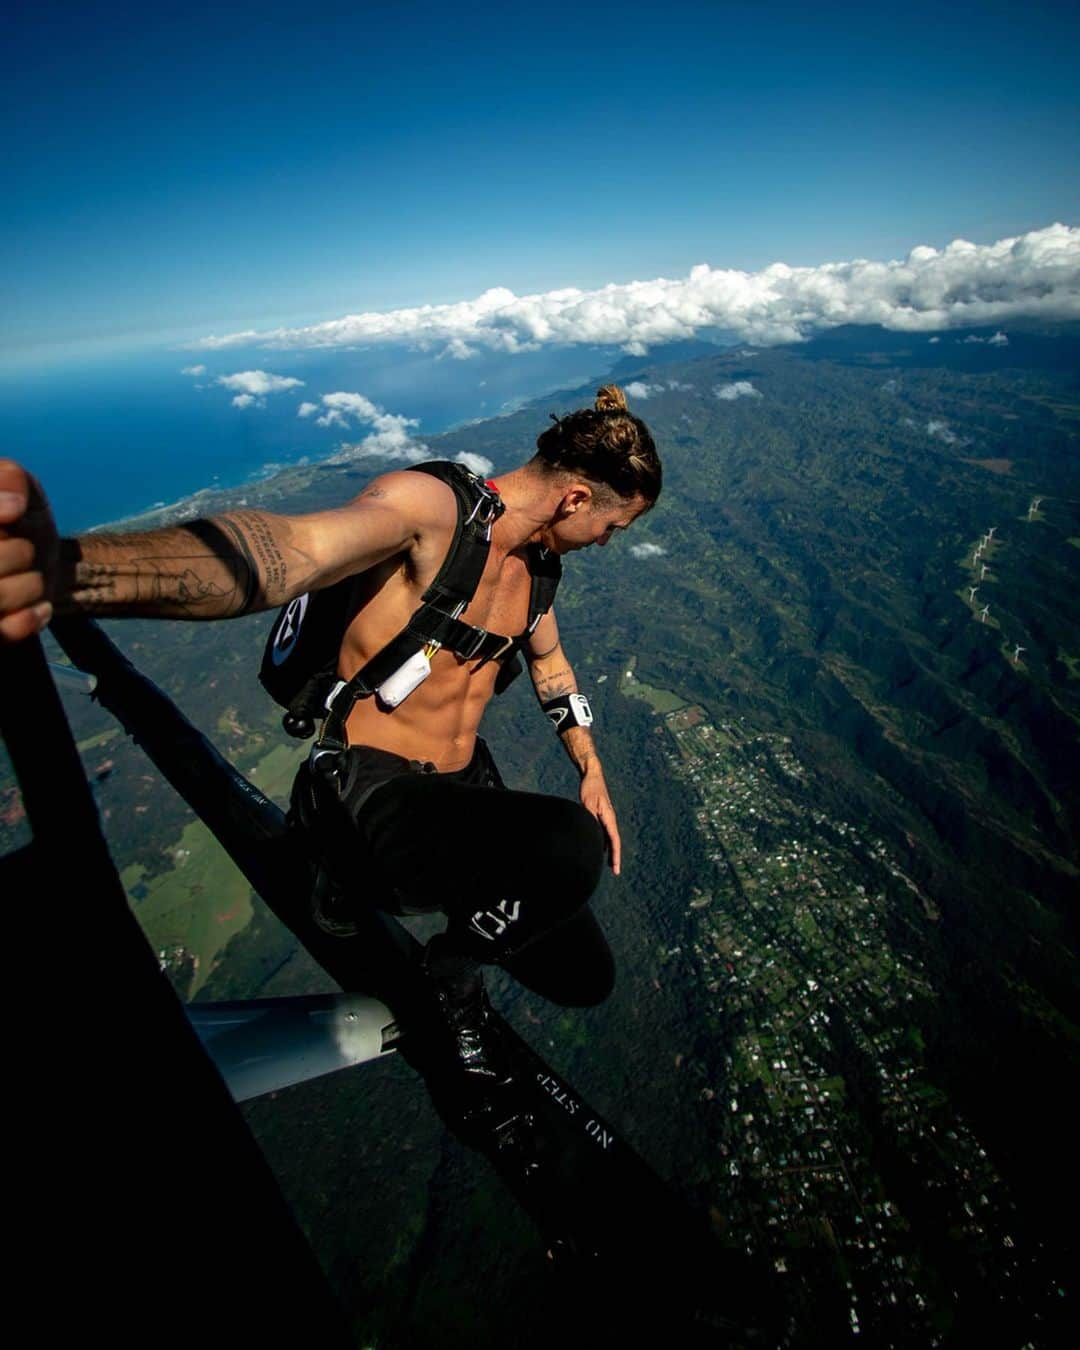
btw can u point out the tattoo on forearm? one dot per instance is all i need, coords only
(213, 568)
(557, 683)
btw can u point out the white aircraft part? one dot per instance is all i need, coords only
(267, 1044)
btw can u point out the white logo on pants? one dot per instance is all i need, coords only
(498, 919)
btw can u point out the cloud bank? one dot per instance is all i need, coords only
(647, 550)
(962, 285)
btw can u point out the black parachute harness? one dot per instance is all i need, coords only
(299, 667)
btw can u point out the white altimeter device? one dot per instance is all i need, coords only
(404, 680)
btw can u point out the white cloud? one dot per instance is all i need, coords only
(258, 383)
(193, 370)
(248, 401)
(351, 405)
(736, 389)
(647, 550)
(675, 384)
(478, 463)
(998, 340)
(933, 340)
(342, 409)
(391, 436)
(638, 389)
(961, 285)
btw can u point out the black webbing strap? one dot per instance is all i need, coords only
(478, 508)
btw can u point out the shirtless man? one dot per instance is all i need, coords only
(415, 798)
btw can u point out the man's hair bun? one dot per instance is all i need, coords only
(611, 399)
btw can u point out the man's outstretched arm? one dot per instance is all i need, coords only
(235, 563)
(552, 677)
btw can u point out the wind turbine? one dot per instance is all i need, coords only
(1016, 654)
(990, 532)
(983, 572)
(983, 613)
(1033, 508)
(971, 594)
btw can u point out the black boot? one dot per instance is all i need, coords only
(465, 1013)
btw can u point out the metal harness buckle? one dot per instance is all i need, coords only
(488, 506)
(480, 636)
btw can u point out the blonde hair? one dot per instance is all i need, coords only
(606, 444)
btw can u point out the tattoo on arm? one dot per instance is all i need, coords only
(554, 684)
(205, 569)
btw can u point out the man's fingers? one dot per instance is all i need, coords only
(24, 523)
(16, 489)
(616, 842)
(16, 555)
(605, 814)
(24, 624)
(21, 592)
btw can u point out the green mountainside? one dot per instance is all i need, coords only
(846, 931)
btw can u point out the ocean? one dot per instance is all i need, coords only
(114, 436)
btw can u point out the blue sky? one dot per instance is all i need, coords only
(176, 170)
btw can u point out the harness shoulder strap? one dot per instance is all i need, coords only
(546, 570)
(478, 508)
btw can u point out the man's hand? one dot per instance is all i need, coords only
(29, 549)
(595, 800)
(552, 677)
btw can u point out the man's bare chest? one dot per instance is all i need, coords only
(501, 601)
(389, 595)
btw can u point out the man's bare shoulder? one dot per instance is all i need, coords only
(425, 501)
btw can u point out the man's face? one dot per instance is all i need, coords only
(593, 521)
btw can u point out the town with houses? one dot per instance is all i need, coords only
(839, 1161)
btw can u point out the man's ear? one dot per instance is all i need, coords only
(576, 498)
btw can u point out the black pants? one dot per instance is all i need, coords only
(513, 871)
